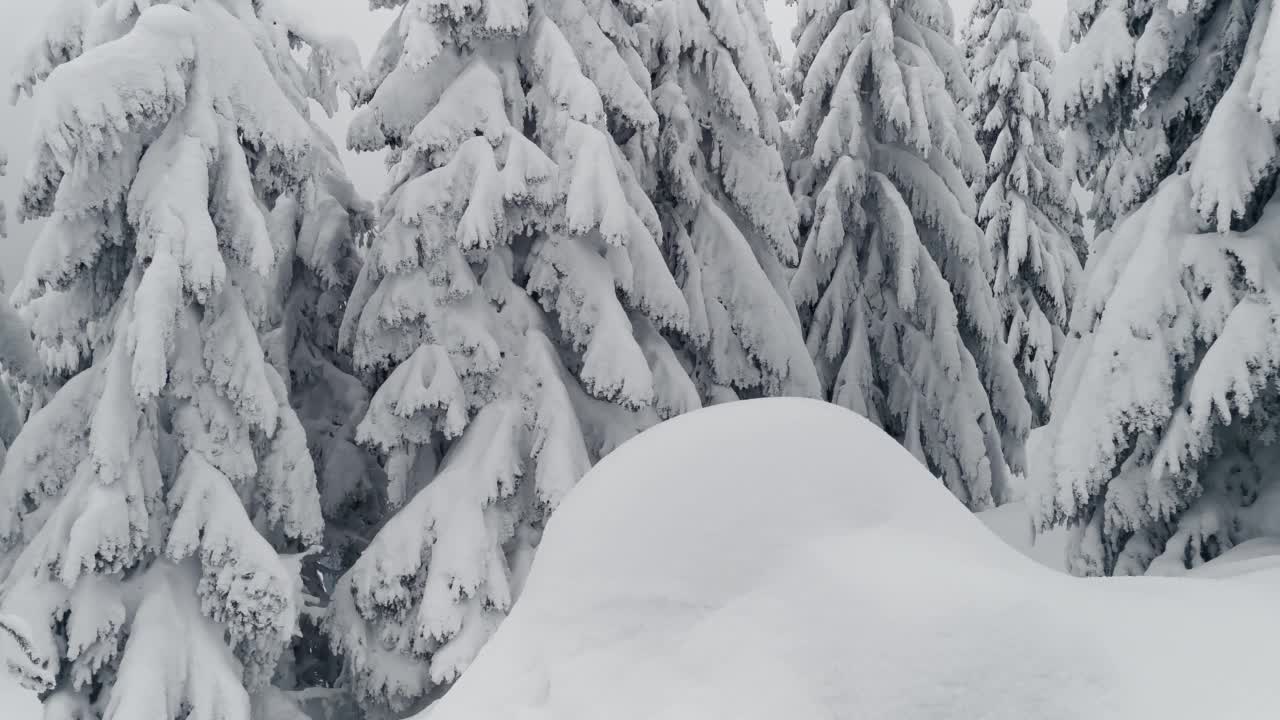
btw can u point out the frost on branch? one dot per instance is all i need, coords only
(1025, 205)
(895, 277)
(515, 310)
(1162, 447)
(144, 508)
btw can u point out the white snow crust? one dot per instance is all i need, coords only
(786, 559)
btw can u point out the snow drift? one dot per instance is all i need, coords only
(785, 558)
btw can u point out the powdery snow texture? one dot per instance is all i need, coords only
(785, 558)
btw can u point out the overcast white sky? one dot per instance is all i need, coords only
(19, 18)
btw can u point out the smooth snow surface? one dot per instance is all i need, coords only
(786, 559)
(16, 702)
(1013, 523)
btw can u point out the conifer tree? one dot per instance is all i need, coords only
(1161, 450)
(721, 191)
(318, 231)
(514, 312)
(1133, 101)
(895, 275)
(4, 220)
(21, 377)
(10, 418)
(11, 338)
(149, 509)
(1025, 205)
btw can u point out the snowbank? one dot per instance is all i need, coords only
(1259, 559)
(785, 559)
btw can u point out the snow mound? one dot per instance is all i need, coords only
(785, 558)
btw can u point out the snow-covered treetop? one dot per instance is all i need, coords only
(721, 188)
(1025, 207)
(895, 272)
(91, 129)
(727, 45)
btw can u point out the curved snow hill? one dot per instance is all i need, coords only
(786, 560)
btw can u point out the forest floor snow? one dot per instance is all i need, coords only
(1013, 524)
(785, 558)
(16, 702)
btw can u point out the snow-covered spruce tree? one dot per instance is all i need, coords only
(1161, 449)
(1025, 205)
(720, 188)
(10, 418)
(512, 309)
(317, 230)
(145, 510)
(21, 377)
(894, 273)
(1134, 90)
(12, 337)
